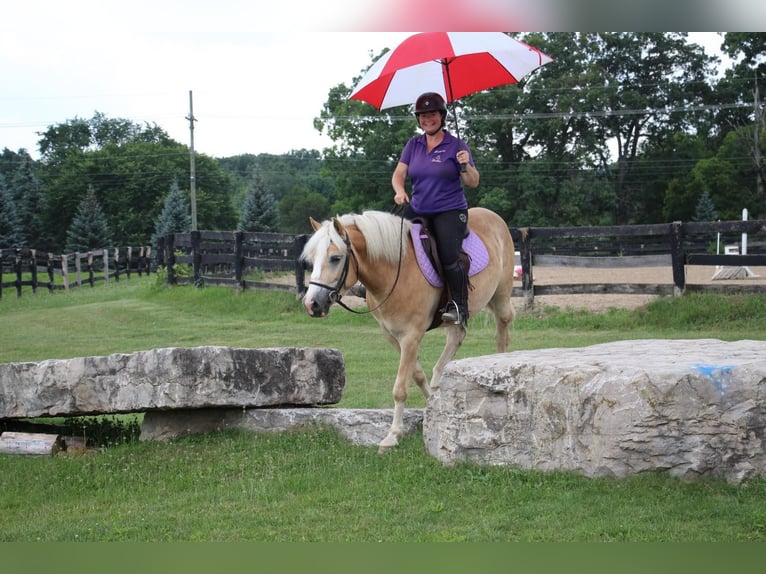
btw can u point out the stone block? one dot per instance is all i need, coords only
(172, 378)
(692, 408)
(366, 427)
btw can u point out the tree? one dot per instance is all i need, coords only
(280, 174)
(175, 216)
(367, 144)
(745, 83)
(259, 211)
(131, 173)
(705, 208)
(10, 232)
(27, 192)
(89, 229)
(296, 208)
(583, 118)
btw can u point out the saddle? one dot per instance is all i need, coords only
(473, 259)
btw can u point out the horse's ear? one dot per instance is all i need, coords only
(314, 223)
(338, 225)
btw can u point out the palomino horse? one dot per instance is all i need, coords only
(375, 248)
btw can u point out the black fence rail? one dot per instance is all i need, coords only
(227, 258)
(23, 267)
(675, 244)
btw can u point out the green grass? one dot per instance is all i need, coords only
(313, 485)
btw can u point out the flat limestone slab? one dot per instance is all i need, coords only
(692, 408)
(172, 378)
(366, 427)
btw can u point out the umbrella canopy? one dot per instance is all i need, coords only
(453, 64)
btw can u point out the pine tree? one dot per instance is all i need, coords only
(260, 211)
(175, 216)
(89, 229)
(10, 232)
(705, 210)
(27, 192)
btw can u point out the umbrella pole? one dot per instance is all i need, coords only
(452, 103)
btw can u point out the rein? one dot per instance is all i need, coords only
(335, 295)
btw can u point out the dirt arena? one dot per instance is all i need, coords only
(695, 275)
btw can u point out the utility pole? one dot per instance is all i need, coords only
(192, 168)
(760, 124)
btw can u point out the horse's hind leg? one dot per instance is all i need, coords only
(455, 336)
(502, 309)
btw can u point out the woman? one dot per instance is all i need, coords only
(439, 165)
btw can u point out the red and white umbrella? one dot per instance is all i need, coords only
(453, 64)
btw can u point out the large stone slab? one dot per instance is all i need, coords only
(172, 378)
(691, 408)
(366, 427)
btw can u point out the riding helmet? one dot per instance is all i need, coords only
(429, 102)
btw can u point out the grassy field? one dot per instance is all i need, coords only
(312, 485)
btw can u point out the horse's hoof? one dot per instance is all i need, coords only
(387, 444)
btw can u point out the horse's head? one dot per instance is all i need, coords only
(328, 251)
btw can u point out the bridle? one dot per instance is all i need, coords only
(335, 295)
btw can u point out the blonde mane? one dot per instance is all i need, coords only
(385, 234)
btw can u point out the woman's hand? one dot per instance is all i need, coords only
(401, 197)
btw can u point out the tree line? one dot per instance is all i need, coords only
(621, 128)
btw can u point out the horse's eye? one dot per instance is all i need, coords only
(336, 259)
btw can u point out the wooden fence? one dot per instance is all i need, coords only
(673, 244)
(225, 258)
(31, 268)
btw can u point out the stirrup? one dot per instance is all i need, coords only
(453, 315)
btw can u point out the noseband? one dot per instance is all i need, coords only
(335, 296)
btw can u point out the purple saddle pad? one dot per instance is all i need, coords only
(472, 244)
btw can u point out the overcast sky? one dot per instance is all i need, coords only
(256, 86)
(253, 92)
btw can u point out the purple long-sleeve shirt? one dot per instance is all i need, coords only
(435, 175)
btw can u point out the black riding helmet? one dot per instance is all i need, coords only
(429, 102)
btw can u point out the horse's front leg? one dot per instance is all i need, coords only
(455, 336)
(408, 358)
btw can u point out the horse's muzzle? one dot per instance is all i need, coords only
(314, 308)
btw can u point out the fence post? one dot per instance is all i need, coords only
(90, 269)
(77, 269)
(17, 269)
(300, 267)
(146, 253)
(678, 258)
(196, 257)
(170, 258)
(160, 251)
(33, 258)
(65, 271)
(105, 266)
(51, 274)
(527, 279)
(239, 259)
(117, 264)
